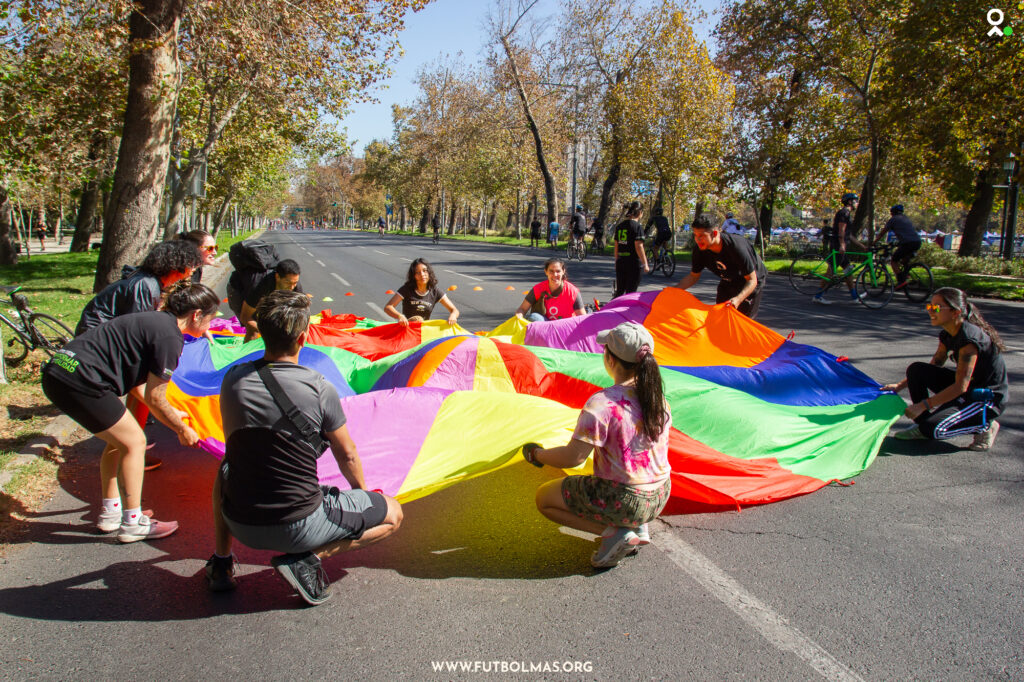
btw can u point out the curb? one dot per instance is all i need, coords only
(57, 431)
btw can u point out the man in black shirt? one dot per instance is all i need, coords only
(734, 260)
(908, 242)
(284, 277)
(841, 237)
(267, 494)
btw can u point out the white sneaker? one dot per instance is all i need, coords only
(983, 439)
(643, 533)
(821, 300)
(146, 529)
(909, 433)
(614, 547)
(109, 521)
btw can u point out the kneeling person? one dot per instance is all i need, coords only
(267, 495)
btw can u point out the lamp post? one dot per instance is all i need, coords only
(1010, 209)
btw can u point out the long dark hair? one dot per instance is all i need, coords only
(632, 210)
(410, 277)
(650, 393)
(957, 300)
(187, 296)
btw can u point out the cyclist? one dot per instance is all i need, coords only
(554, 299)
(380, 225)
(628, 251)
(942, 402)
(734, 260)
(841, 237)
(908, 242)
(578, 224)
(598, 227)
(435, 224)
(663, 231)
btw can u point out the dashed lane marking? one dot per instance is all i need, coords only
(340, 279)
(475, 279)
(377, 309)
(321, 264)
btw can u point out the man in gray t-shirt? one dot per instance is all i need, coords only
(267, 494)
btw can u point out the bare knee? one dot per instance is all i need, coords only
(395, 515)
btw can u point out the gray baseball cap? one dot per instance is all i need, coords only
(626, 341)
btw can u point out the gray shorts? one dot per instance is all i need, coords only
(344, 515)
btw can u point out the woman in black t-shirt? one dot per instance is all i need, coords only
(134, 353)
(419, 295)
(629, 250)
(946, 402)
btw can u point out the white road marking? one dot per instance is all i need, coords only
(772, 626)
(377, 309)
(475, 279)
(582, 534)
(321, 264)
(340, 279)
(436, 551)
(382, 252)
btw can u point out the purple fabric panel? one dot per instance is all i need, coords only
(457, 371)
(578, 333)
(388, 428)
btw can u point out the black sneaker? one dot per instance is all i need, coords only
(220, 574)
(306, 574)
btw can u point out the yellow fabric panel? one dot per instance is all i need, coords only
(690, 333)
(436, 329)
(512, 330)
(491, 373)
(467, 420)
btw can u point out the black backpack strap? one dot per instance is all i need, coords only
(297, 419)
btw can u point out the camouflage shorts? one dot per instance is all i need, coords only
(615, 504)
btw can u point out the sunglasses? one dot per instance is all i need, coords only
(933, 308)
(211, 249)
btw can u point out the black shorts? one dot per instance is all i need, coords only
(94, 413)
(660, 238)
(905, 251)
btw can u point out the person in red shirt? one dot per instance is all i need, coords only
(553, 299)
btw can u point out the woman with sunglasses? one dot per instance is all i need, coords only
(207, 246)
(955, 402)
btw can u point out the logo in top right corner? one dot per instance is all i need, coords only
(995, 18)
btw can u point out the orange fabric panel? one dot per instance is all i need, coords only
(432, 359)
(692, 334)
(204, 412)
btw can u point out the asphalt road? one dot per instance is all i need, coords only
(911, 573)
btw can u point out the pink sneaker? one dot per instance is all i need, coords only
(146, 529)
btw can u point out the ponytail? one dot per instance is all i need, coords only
(957, 299)
(650, 393)
(186, 297)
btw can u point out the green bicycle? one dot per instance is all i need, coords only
(811, 273)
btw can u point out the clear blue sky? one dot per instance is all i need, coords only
(443, 27)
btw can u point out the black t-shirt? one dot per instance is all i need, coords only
(120, 354)
(414, 303)
(661, 224)
(627, 233)
(264, 287)
(842, 217)
(136, 293)
(535, 228)
(989, 369)
(269, 471)
(733, 263)
(903, 229)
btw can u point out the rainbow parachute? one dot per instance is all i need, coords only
(756, 418)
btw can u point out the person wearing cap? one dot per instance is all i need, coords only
(908, 242)
(733, 259)
(842, 236)
(626, 427)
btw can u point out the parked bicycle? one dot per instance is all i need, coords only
(29, 330)
(811, 273)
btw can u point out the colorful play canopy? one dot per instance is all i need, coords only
(756, 417)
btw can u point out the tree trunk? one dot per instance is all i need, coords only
(604, 211)
(424, 217)
(977, 217)
(86, 214)
(549, 182)
(866, 206)
(508, 222)
(133, 215)
(222, 210)
(8, 254)
(451, 217)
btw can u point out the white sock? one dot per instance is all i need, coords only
(111, 504)
(131, 516)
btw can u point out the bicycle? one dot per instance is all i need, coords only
(596, 245)
(663, 260)
(575, 248)
(811, 273)
(919, 284)
(436, 238)
(31, 330)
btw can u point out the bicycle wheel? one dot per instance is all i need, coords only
(14, 346)
(919, 284)
(51, 333)
(808, 273)
(877, 292)
(668, 263)
(581, 251)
